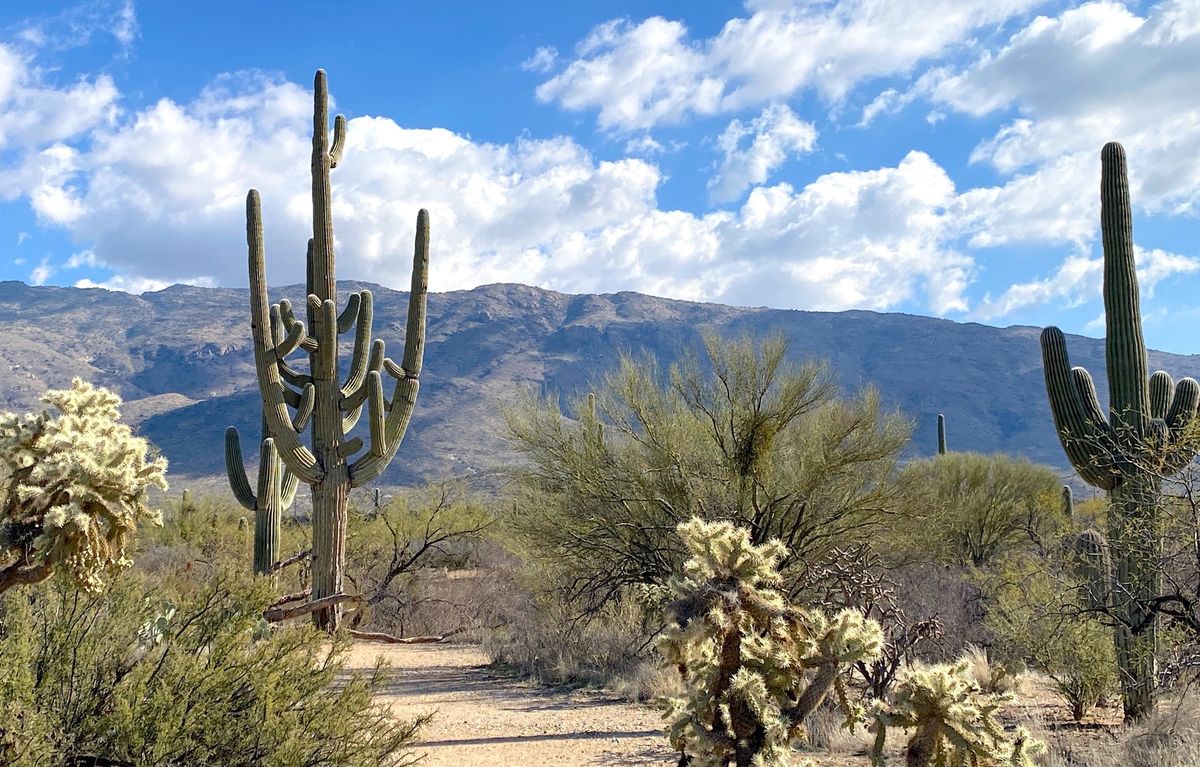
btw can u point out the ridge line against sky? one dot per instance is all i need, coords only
(936, 157)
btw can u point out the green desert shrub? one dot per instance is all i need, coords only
(753, 666)
(981, 507)
(73, 488)
(1034, 616)
(140, 676)
(743, 435)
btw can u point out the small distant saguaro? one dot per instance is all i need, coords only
(941, 434)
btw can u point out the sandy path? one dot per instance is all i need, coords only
(487, 720)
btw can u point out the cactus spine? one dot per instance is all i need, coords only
(1128, 453)
(276, 490)
(332, 404)
(753, 666)
(941, 434)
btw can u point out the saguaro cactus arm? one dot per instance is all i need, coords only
(292, 452)
(360, 359)
(1124, 345)
(236, 469)
(349, 315)
(389, 420)
(1083, 434)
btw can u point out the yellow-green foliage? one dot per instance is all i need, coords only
(954, 722)
(146, 675)
(753, 666)
(75, 488)
(982, 507)
(1033, 616)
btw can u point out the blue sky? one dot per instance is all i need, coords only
(938, 157)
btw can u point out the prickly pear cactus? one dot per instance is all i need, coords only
(753, 666)
(74, 488)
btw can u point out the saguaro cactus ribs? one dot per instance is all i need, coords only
(1127, 453)
(322, 396)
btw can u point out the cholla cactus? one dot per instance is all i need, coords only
(753, 666)
(74, 488)
(954, 722)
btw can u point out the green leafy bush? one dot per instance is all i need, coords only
(140, 676)
(1034, 616)
(982, 507)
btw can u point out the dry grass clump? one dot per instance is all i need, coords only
(990, 676)
(1168, 738)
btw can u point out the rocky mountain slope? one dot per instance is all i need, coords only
(180, 358)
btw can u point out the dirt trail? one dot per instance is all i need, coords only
(483, 719)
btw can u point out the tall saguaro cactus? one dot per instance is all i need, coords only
(1128, 453)
(276, 490)
(333, 404)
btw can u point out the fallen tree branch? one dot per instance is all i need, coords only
(289, 561)
(373, 636)
(276, 614)
(283, 600)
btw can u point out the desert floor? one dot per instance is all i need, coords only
(483, 718)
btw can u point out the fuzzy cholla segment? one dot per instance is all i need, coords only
(74, 487)
(753, 666)
(953, 721)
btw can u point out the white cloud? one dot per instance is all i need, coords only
(22, 237)
(776, 134)
(34, 114)
(159, 198)
(542, 60)
(79, 24)
(1080, 278)
(83, 258)
(41, 273)
(139, 285)
(1093, 74)
(644, 145)
(640, 75)
(860, 239)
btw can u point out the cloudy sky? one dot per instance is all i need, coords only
(937, 157)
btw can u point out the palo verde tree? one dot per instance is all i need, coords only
(332, 403)
(74, 488)
(1128, 453)
(743, 436)
(983, 506)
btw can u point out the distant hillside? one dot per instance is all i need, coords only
(181, 360)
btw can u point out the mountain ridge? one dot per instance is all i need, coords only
(180, 358)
